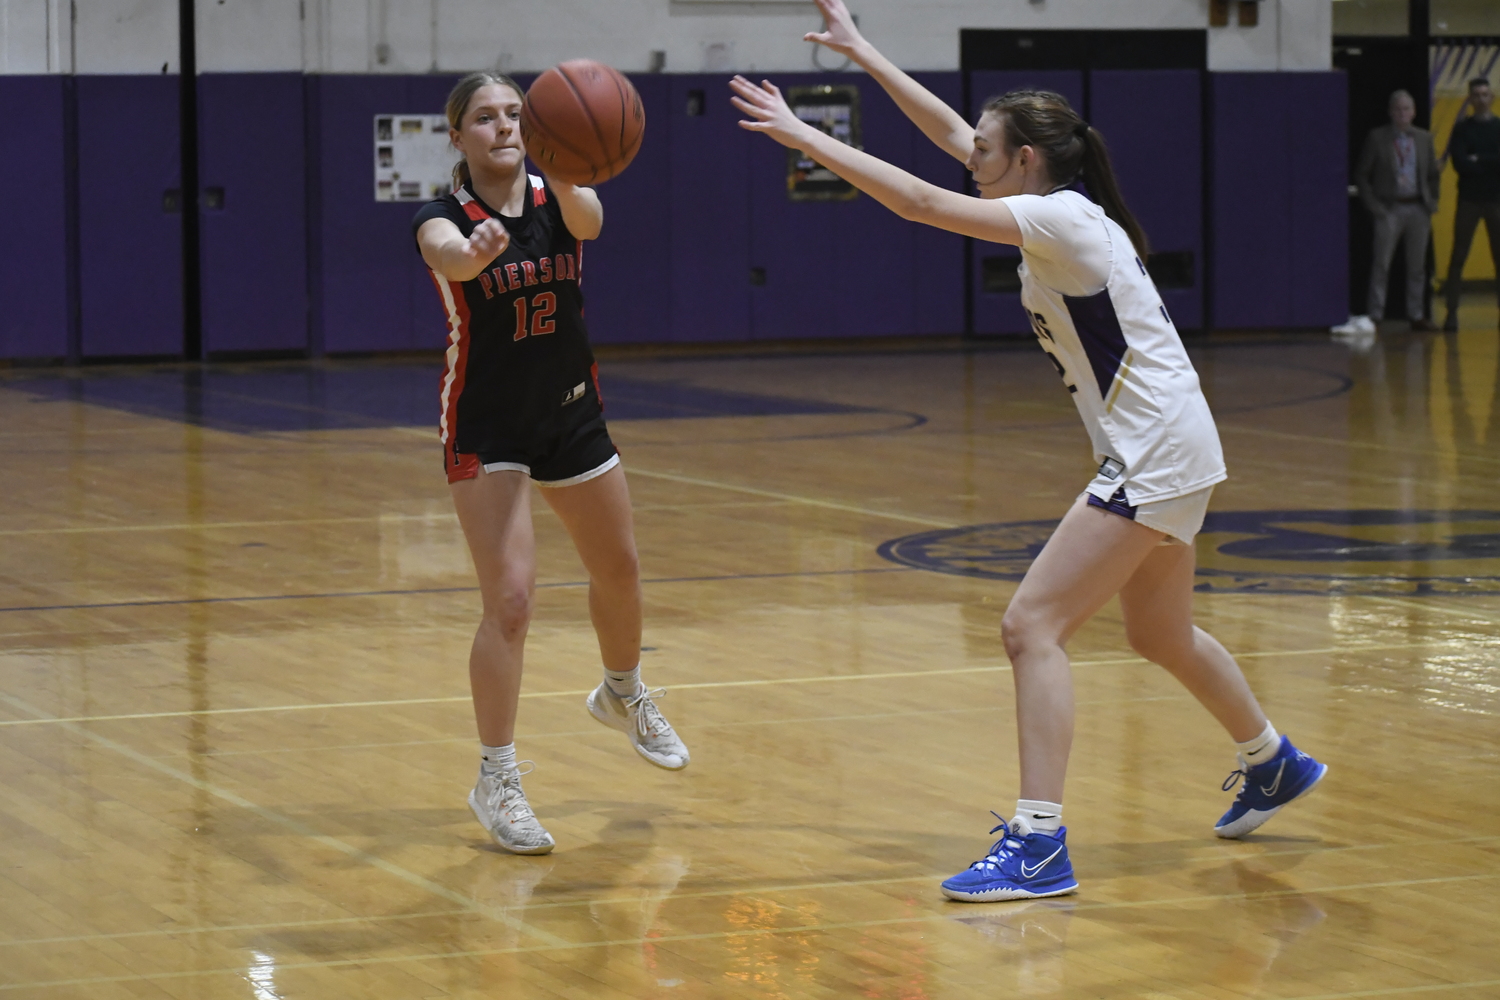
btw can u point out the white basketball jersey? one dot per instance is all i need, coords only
(1116, 349)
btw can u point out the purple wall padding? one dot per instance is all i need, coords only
(843, 268)
(129, 247)
(1280, 202)
(33, 271)
(254, 249)
(937, 275)
(705, 201)
(627, 271)
(1001, 312)
(1317, 105)
(371, 291)
(709, 239)
(1142, 114)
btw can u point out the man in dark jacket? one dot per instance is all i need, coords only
(1475, 148)
(1397, 176)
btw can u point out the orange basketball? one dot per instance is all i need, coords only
(582, 122)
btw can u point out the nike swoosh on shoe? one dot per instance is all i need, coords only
(1275, 785)
(1027, 872)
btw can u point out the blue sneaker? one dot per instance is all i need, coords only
(1269, 786)
(1021, 865)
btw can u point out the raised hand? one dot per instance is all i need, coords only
(488, 241)
(769, 110)
(842, 36)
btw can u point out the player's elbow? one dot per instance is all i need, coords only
(915, 206)
(589, 227)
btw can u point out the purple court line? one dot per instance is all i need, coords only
(440, 590)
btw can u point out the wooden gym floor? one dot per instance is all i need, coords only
(235, 736)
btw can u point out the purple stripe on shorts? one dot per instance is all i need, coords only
(1115, 504)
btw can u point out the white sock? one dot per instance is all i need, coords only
(493, 760)
(1041, 817)
(623, 683)
(1260, 749)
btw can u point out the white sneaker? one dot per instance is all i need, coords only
(640, 719)
(500, 805)
(1355, 326)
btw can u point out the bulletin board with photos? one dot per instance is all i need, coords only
(413, 157)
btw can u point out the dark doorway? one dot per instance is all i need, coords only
(1006, 49)
(1376, 67)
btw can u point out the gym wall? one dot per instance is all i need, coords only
(517, 36)
(299, 257)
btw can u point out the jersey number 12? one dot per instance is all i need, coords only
(543, 305)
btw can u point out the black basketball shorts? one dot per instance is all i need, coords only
(570, 449)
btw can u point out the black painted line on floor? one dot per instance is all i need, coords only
(440, 590)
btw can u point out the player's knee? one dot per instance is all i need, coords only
(1022, 630)
(507, 608)
(621, 570)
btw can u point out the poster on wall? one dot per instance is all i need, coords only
(835, 110)
(413, 157)
(1451, 67)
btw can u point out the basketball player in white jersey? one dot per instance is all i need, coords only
(1101, 320)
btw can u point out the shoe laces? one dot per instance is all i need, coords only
(1001, 850)
(648, 718)
(1243, 771)
(511, 796)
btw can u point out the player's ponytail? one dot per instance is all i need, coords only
(1070, 147)
(1099, 178)
(458, 104)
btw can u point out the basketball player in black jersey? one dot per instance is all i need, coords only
(520, 404)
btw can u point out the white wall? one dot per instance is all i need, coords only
(249, 35)
(419, 36)
(34, 36)
(125, 36)
(1292, 35)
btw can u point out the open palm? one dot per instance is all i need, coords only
(842, 36)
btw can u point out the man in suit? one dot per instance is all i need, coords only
(1397, 176)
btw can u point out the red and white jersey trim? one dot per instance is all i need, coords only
(472, 208)
(456, 357)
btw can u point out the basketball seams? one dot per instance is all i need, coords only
(588, 113)
(596, 101)
(626, 107)
(634, 107)
(554, 141)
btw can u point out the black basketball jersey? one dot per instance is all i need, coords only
(518, 350)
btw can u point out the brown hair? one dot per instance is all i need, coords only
(1071, 148)
(458, 102)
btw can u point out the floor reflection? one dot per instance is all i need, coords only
(1270, 920)
(1033, 937)
(262, 976)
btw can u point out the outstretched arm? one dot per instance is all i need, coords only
(581, 210)
(937, 121)
(908, 196)
(447, 252)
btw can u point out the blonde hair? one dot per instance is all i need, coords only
(458, 103)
